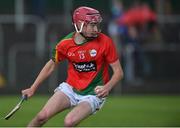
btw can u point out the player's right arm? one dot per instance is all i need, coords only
(45, 72)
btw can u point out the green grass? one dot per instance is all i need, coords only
(126, 111)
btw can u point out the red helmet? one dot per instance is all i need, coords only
(86, 15)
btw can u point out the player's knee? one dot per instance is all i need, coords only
(42, 117)
(69, 122)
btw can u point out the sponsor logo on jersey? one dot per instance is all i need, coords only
(71, 54)
(93, 53)
(85, 66)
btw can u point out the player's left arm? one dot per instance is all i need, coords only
(103, 91)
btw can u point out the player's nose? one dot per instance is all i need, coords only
(95, 28)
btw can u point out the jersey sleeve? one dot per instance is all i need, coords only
(57, 53)
(110, 51)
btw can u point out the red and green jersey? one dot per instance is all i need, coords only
(88, 62)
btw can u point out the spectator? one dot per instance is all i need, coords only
(114, 29)
(139, 20)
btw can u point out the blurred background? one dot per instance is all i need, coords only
(145, 32)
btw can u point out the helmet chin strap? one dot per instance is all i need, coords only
(81, 27)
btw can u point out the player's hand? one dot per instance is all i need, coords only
(29, 92)
(102, 91)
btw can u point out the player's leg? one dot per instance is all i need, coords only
(78, 113)
(57, 103)
(87, 105)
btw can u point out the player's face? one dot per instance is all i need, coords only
(91, 29)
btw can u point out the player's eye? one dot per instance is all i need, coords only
(94, 25)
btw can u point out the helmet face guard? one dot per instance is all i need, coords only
(85, 15)
(93, 18)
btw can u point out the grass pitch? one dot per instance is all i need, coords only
(120, 111)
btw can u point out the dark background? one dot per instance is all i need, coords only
(54, 17)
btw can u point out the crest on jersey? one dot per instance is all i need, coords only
(93, 53)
